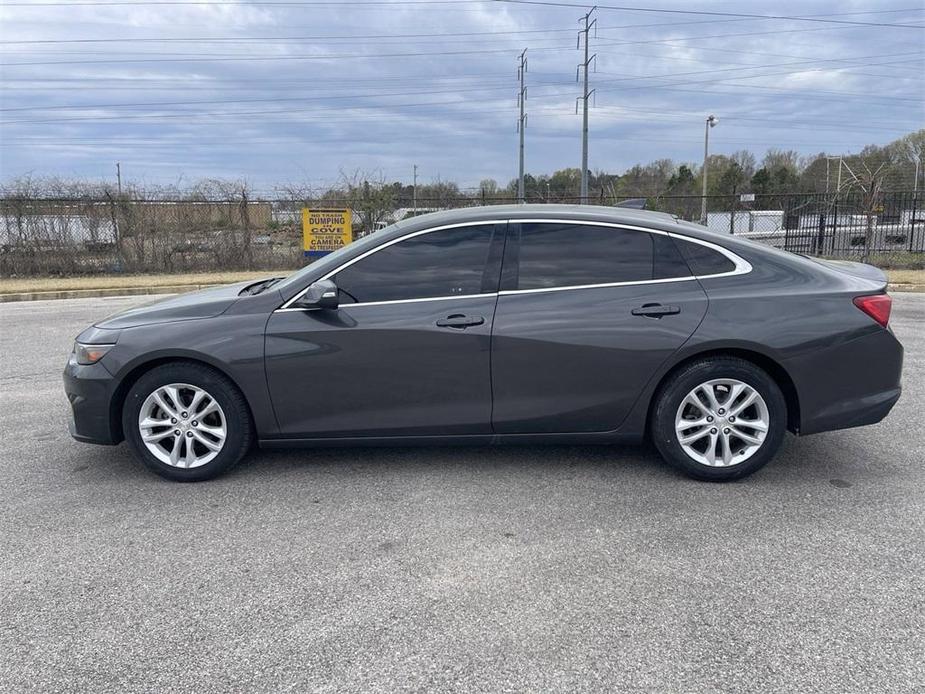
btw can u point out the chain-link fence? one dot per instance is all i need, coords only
(115, 235)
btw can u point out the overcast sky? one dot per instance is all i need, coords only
(290, 91)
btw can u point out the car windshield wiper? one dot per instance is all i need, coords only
(260, 286)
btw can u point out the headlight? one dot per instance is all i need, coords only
(90, 354)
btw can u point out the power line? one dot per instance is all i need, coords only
(254, 59)
(350, 37)
(746, 34)
(668, 58)
(706, 13)
(857, 59)
(652, 114)
(265, 3)
(673, 114)
(404, 93)
(225, 57)
(296, 99)
(672, 43)
(317, 37)
(445, 4)
(736, 77)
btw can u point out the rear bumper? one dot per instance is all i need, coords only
(848, 385)
(859, 412)
(89, 390)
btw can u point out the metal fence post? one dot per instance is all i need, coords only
(732, 212)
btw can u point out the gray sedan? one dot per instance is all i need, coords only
(501, 325)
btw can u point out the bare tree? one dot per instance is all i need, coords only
(868, 176)
(371, 199)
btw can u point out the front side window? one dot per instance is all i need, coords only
(570, 255)
(450, 262)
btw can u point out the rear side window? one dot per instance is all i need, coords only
(703, 260)
(443, 263)
(668, 262)
(570, 255)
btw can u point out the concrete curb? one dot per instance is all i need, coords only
(92, 293)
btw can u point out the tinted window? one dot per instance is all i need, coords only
(703, 260)
(566, 255)
(441, 263)
(668, 260)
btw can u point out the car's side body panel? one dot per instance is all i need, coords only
(374, 369)
(575, 360)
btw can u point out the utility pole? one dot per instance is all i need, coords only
(414, 189)
(119, 178)
(521, 124)
(588, 23)
(711, 123)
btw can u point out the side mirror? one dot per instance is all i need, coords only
(321, 294)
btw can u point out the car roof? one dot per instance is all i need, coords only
(616, 215)
(662, 221)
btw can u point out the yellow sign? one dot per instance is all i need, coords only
(324, 231)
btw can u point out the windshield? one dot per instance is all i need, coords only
(332, 260)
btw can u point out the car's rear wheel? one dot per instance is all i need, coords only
(187, 422)
(719, 419)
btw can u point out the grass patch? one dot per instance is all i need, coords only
(911, 277)
(898, 261)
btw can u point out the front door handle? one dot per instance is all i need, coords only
(460, 321)
(655, 310)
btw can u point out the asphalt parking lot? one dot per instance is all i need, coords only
(505, 569)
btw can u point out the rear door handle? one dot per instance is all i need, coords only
(655, 310)
(460, 321)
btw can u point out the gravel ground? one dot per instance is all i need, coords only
(454, 569)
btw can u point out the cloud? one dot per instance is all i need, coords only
(307, 91)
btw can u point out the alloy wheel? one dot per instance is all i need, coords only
(182, 425)
(722, 422)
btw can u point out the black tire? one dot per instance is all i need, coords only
(675, 389)
(240, 429)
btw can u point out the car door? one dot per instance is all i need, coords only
(407, 351)
(586, 314)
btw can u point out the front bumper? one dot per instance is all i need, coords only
(90, 389)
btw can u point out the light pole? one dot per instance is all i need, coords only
(711, 123)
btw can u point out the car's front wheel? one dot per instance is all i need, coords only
(187, 422)
(719, 419)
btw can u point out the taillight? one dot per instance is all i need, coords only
(877, 306)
